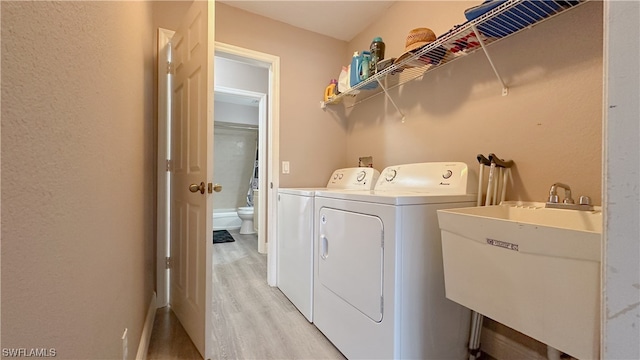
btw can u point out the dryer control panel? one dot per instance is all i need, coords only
(434, 177)
(359, 178)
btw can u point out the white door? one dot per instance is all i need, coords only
(192, 170)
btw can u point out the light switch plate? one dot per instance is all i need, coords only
(285, 167)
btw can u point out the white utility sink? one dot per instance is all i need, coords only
(534, 269)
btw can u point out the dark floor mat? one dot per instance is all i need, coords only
(222, 236)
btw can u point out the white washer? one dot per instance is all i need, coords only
(296, 229)
(379, 279)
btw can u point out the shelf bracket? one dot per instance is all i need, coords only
(505, 89)
(390, 99)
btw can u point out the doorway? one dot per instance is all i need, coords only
(240, 120)
(268, 136)
(269, 140)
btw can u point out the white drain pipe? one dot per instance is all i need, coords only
(553, 353)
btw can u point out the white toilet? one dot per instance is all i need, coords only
(246, 215)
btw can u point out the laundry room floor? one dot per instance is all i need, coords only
(251, 319)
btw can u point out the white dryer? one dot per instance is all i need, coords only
(379, 279)
(296, 229)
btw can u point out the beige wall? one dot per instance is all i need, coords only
(549, 124)
(78, 134)
(313, 141)
(77, 175)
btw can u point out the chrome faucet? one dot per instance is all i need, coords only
(553, 195)
(567, 202)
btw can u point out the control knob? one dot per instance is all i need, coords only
(391, 174)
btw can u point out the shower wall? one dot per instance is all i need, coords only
(234, 153)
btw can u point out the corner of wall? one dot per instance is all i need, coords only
(147, 330)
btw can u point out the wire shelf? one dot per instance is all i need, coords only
(503, 20)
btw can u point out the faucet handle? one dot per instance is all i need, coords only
(585, 200)
(553, 198)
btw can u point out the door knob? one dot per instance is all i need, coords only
(195, 188)
(217, 187)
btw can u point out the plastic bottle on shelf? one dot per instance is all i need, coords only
(364, 70)
(343, 79)
(354, 73)
(365, 62)
(377, 53)
(331, 91)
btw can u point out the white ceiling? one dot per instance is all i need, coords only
(341, 20)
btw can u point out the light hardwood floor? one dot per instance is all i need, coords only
(169, 340)
(251, 319)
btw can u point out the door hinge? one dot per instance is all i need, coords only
(168, 262)
(168, 165)
(170, 69)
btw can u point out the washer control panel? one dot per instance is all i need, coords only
(435, 177)
(360, 178)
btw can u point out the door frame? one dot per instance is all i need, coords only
(272, 133)
(263, 148)
(163, 177)
(271, 181)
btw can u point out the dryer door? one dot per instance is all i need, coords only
(351, 258)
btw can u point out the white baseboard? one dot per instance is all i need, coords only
(145, 337)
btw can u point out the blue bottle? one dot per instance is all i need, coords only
(364, 70)
(365, 62)
(354, 75)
